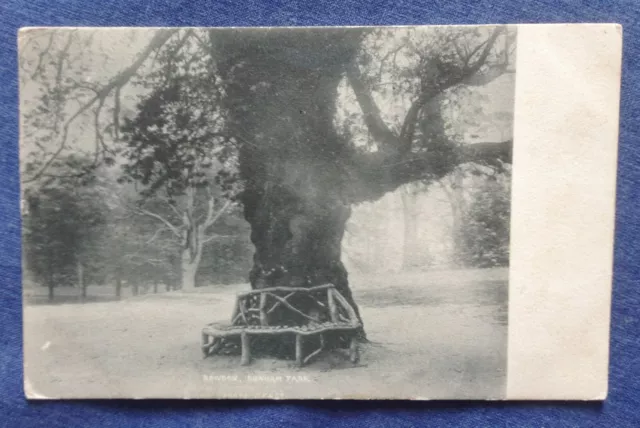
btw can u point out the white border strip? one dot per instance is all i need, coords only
(563, 206)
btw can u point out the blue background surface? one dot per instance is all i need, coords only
(622, 408)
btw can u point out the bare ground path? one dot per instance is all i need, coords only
(434, 335)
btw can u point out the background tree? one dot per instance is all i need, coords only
(174, 149)
(63, 226)
(368, 244)
(415, 255)
(457, 195)
(485, 225)
(134, 253)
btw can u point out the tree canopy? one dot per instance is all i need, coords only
(418, 70)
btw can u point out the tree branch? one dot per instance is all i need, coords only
(378, 175)
(402, 144)
(482, 79)
(372, 116)
(490, 42)
(116, 114)
(173, 228)
(212, 237)
(41, 55)
(491, 154)
(171, 205)
(399, 164)
(155, 235)
(411, 119)
(211, 217)
(159, 39)
(430, 94)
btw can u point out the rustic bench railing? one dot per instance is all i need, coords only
(254, 315)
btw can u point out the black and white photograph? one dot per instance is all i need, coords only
(267, 213)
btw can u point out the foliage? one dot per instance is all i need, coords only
(174, 141)
(64, 226)
(485, 225)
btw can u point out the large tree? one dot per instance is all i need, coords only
(301, 170)
(301, 174)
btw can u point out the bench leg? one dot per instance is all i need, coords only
(354, 354)
(245, 358)
(205, 342)
(299, 360)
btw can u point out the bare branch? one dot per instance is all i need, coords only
(199, 39)
(63, 56)
(213, 237)
(44, 52)
(99, 139)
(141, 260)
(159, 39)
(475, 51)
(372, 115)
(494, 72)
(211, 217)
(411, 118)
(402, 144)
(116, 113)
(156, 235)
(173, 228)
(488, 45)
(490, 154)
(474, 78)
(172, 206)
(459, 52)
(393, 53)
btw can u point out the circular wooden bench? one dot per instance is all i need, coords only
(251, 318)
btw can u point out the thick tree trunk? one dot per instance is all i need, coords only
(293, 162)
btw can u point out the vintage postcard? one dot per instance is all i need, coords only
(318, 213)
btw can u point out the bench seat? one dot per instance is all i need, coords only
(251, 318)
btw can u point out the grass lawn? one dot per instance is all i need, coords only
(441, 334)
